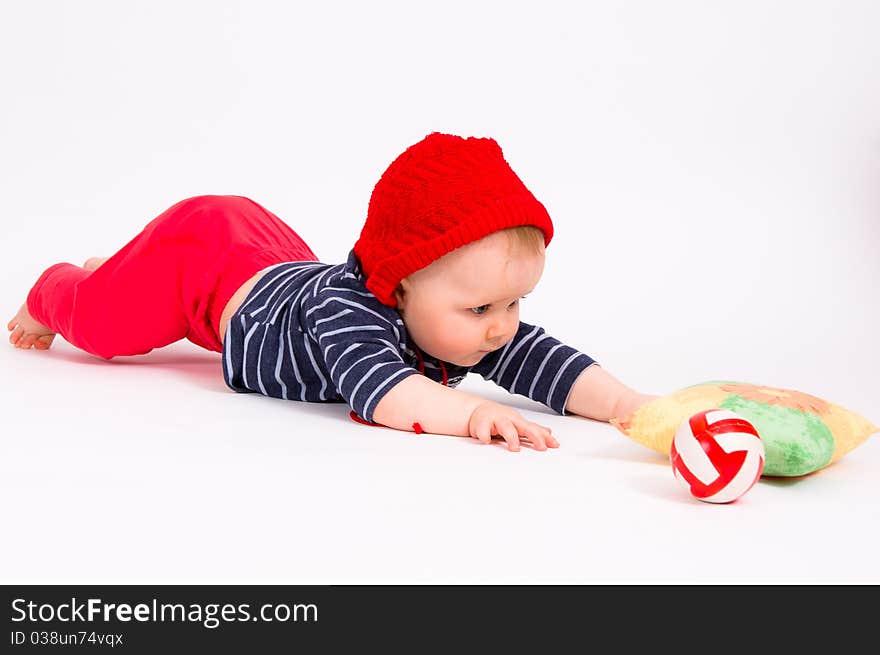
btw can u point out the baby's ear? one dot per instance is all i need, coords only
(402, 293)
(399, 296)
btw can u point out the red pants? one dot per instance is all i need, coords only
(170, 282)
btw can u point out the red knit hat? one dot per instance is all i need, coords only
(441, 193)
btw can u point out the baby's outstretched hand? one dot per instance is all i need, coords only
(491, 418)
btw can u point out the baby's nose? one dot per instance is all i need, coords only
(498, 335)
(495, 344)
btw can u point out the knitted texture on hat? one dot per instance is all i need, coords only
(440, 194)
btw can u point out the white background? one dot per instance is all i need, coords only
(712, 172)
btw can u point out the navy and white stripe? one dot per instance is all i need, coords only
(313, 332)
(535, 365)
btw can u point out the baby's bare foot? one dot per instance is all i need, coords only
(27, 331)
(94, 262)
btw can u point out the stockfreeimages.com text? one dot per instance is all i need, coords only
(210, 615)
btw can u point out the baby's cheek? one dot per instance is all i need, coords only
(463, 334)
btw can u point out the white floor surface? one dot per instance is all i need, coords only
(711, 170)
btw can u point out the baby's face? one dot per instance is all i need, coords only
(466, 303)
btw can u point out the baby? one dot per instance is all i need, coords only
(453, 241)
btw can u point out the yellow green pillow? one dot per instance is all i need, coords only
(801, 433)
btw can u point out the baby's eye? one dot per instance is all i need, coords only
(482, 309)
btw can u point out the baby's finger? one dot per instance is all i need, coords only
(535, 435)
(547, 433)
(549, 439)
(508, 430)
(482, 433)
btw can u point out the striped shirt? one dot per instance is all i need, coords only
(313, 332)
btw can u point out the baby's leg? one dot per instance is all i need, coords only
(125, 307)
(128, 305)
(170, 282)
(28, 332)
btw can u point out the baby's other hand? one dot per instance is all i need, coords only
(491, 418)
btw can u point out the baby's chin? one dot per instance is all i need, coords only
(468, 360)
(456, 358)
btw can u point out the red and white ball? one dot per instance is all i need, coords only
(717, 455)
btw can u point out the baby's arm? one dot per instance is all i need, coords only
(435, 407)
(446, 410)
(598, 395)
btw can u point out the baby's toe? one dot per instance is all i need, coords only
(29, 339)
